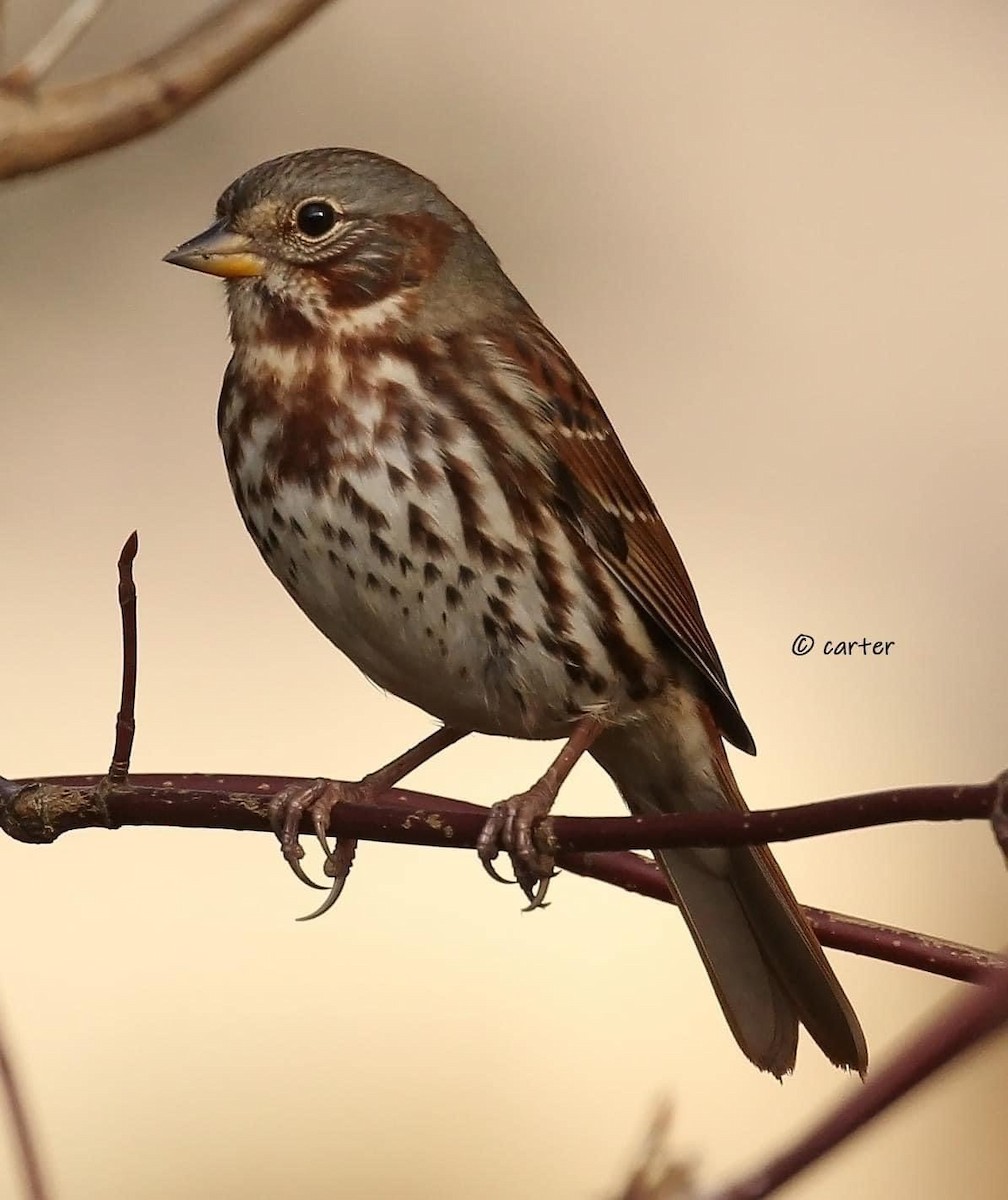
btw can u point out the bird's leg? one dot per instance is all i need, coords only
(515, 825)
(318, 799)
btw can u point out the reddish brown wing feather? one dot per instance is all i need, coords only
(626, 527)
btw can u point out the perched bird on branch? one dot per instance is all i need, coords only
(434, 482)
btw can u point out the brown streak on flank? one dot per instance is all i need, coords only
(397, 478)
(558, 599)
(421, 533)
(425, 475)
(346, 539)
(512, 558)
(453, 596)
(501, 610)
(608, 628)
(371, 582)
(431, 574)
(571, 655)
(466, 575)
(384, 551)
(360, 509)
(465, 487)
(405, 564)
(463, 378)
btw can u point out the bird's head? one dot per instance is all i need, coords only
(328, 231)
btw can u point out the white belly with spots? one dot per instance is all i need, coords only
(386, 575)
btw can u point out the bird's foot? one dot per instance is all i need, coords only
(520, 827)
(318, 799)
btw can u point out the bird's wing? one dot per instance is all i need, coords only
(618, 515)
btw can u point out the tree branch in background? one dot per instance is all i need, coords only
(53, 46)
(41, 127)
(959, 1028)
(31, 1165)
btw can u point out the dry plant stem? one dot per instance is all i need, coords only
(960, 1027)
(41, 59)
(53, 125)
(41, 810)
(125, 720)
(31, 1166)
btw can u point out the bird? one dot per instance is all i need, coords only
(436, 485)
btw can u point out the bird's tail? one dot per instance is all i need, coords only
(766, 965)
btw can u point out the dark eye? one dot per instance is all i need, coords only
(315, 218)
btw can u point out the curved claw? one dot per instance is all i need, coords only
(334, 894)
(492, 871)
(489, 840)
(538, 897)
(337, 865)
(321, 824)
(285, 811)
(295, 865)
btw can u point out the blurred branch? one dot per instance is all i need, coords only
(41, 59)
(658, 1175)
(42, 127)
(959, 1028)
(31, 1166)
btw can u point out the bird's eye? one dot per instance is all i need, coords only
(315, 218)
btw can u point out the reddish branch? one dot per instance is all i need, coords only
(40, 127)
(40, 810)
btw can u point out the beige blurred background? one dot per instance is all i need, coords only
(774, 237)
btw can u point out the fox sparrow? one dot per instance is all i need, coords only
(428, 474)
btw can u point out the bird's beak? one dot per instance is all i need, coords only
(219, 251)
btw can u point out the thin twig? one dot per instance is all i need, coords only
(57, 124)
(31, 1166)
(126, 719)
(959, 1028)
(53, 46)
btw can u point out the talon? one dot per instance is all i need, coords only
(538, 895)
(516, 825)
(320, 820)
(337, 865)
(285, 812)
(488, 844)
(293, 862)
